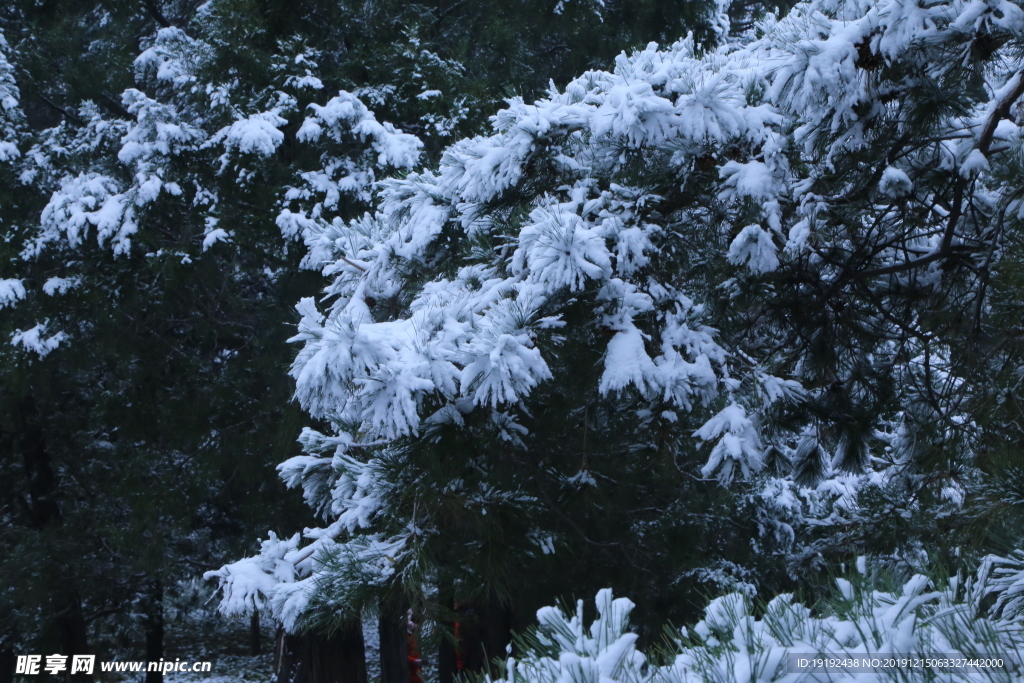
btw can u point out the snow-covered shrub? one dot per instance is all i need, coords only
(191, 149)
(11, 117)
(736, 643)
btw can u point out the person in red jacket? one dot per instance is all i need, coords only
(415, 662)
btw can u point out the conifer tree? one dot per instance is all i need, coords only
(752, 286)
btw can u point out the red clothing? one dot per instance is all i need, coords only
(459, 665)
(415, 663)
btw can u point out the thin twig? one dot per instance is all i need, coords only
(354, 265)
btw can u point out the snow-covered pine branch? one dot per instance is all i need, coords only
(736, 642)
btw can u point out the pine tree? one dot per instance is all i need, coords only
(773, 265)
(143, 388)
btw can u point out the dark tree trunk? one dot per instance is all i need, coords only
(7, 665)
(394, 646)
(350, 654)
(283, 659)
(313, 658)
(72, 632)
(254, 633)
(44, 510)
(497, 630)
(42, 482)
(471, 640)
(155, 629)
(68, 619)
(447, 663)
(484, 633)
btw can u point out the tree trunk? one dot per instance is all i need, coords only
(484, 632)
(349, 654)
(7, 665)
(68, 619)
(447, 663)
(471, 641)
(42, 482)
(394, 646)
(155, 629)
(283, 659)
(497, 630)
(72, 632)
(313, 658)
(254, 633)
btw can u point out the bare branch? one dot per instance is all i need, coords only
(1000, 112)
(154, 11)
(68, 115)
(116, 107)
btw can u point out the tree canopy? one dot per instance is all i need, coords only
(716, 316)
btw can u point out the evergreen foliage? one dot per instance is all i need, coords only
(712, 315)
(934, 630)
(162, 165)
(718, 316)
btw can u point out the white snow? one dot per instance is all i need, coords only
(11, 290)
(755, 248)
(60, 285)
(214, 236)
(257, 134)
(35, 340)
(895, 182)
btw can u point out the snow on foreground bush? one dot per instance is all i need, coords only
(735, 643)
